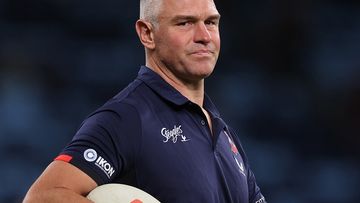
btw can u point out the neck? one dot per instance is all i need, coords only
(192, 90)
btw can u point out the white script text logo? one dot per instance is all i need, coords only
(173, 134)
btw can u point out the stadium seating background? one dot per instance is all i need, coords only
(287, 80)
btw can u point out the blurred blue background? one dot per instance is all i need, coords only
(288, 80)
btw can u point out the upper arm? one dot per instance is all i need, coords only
(109, 136)
(106, 145)
(62, 175)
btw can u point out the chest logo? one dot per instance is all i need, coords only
(235, 154)
(173, 134)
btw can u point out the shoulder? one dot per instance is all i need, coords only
(126, 102)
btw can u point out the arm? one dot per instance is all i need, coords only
(255, 195)
(102, 131)
(60, 182)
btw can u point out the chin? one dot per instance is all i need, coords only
(206, 70)
(200, 69)
(204, 73)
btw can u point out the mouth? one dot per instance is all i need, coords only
(202, 53)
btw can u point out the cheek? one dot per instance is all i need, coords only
(177, 42)
(167, 39)
(216, 40)
(172, 46)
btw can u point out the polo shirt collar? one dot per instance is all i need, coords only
(160, 86)
(166, 91)
(209, 105)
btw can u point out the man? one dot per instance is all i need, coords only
(162, 133)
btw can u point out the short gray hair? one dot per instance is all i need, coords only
(149, 10)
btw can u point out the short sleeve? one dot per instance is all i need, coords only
(105, 145)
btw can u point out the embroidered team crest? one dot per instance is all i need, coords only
(235, 154)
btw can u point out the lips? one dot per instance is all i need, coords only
(202, 52)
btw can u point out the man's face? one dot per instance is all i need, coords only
(187, 39)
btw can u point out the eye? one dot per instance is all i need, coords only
(184, 23)
(211, 22)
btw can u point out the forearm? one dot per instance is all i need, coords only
(56, 195)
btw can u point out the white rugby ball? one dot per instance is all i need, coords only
(120, 193)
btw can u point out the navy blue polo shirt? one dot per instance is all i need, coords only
(152, 137)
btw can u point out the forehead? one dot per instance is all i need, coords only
(199, 8)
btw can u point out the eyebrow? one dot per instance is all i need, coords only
(190, 17)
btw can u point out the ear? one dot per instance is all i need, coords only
(145, 32)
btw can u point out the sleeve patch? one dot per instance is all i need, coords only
(64, 157)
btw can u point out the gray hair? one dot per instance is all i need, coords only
(149, 10)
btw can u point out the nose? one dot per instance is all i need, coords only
(202, 34)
